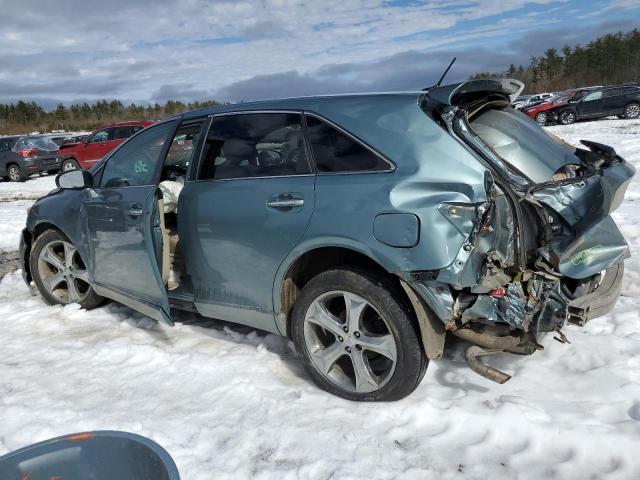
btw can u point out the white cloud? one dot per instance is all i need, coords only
(140, 46)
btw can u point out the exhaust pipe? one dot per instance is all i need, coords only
(493, 374)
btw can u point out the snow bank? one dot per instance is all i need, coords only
(34, 188)
(228, 402)
(15, 198)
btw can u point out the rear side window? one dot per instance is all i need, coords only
(335, 152)
(118, 133)
(5, 145)
(254, 145)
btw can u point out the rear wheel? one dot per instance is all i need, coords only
(541, 118)
(357, 338)
(567, 117)
(632, 110)
(69, 164)
(15, 174)
(60, 273)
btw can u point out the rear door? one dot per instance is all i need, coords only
(250, 204)
(123, 222)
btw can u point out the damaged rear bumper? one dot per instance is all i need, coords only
(599, 302)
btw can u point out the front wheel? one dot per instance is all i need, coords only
(632, 110)
(541, 118)
(567, 117)
(60, 273)
(357, 337)
(69, 164)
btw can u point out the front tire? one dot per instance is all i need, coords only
(541, 118)
(567, 117)
(632, 111)
(69, 164)
(358, 339)
(60, 273)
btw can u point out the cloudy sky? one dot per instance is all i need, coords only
(153, 50)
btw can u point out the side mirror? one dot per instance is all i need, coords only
(75, 180)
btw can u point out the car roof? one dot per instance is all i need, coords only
(310, 103)
(126, 124)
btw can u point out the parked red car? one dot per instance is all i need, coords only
(540, 113)
(87, 153)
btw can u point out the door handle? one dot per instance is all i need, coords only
(135, 210)
(286, 203)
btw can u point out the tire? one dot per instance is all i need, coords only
(55, 264)
(69, 164)
(567, 117)
(15, 173)
(385, 323)
(541, 118)
(632, 110)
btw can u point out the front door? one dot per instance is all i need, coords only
(123, 224)
(96, 147)
(590, 105)
(250, 205)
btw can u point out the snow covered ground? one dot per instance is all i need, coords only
(228, 402)
(15, 197)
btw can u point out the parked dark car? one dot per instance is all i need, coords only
(622, 101)
(21, 156)
(364, 227)
(546, 111)
(86, 153)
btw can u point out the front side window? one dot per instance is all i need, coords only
(254, 145)
(181, 150)
(593, 96)
(99, 136)
(135, 162)
(335, 152)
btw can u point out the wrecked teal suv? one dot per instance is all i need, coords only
(364, 227)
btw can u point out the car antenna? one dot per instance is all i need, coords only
(443, 75)
(445, 72)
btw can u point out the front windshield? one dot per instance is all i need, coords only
(521, 143)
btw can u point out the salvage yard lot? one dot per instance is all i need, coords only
(229, 402)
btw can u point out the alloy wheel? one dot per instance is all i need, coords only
(349, 342)
(632, 111)
(14, 173)
(541, 118)
(567, 117)
(63, 272)
(68, 166)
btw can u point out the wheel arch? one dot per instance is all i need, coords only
(30, 236)
(304, 264)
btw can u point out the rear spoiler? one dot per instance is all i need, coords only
(451, 94)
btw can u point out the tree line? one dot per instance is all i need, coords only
(611, 59)
(26, 117)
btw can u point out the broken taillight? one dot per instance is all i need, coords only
(30, 152)
(497, 292)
